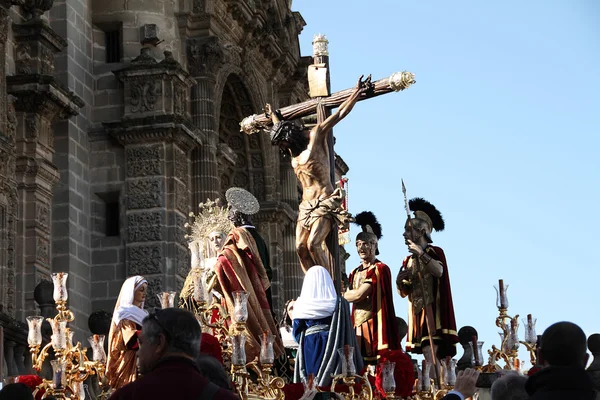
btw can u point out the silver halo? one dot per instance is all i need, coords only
(242, 201)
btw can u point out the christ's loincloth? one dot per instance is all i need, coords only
(331, 207)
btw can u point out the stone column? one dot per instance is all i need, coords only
(8, 186)
(157, 136)
(40, 101)
(204, 59)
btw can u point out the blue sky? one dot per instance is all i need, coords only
(500, 132)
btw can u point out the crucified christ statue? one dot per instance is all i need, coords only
(321, 207)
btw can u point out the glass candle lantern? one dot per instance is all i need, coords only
(34, 336)
(167, 299)
(267, 356)
(59, 279)
(200, 294)
(425, 384)
(477, 357)
(449, 371)
(79, 390)
(501, 295)
(97, 345)
(388, 382)
(238, 350)
(59, 333)
(530, 334)
(240, 307)
(59, 377)
(347, 358)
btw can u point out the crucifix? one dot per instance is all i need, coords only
(313, 156)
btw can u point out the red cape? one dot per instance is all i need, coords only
(443, 310)
(386, 334)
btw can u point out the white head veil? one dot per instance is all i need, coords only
(318, 297)
(124, 309)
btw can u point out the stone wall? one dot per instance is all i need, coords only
(71, 205)
(105, 174)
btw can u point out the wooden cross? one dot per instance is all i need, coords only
(322, 103)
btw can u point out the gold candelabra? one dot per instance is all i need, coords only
(266, 385)
(350, 378)
(509, 347)
(71, 366)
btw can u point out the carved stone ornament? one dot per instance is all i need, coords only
(181, 197)
(144, 94)
(43, 250)
(155, 286)
(145, 227)
(145, 193)
(183, 261)
(205, 56)
(144, 161)
(144, 260)
(37, 7)
(180, 160)
(198, 6)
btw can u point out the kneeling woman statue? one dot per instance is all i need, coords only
(121, 367)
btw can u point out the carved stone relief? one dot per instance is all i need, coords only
(144, 161)
(43, 250)
(47, 58)
(42, 212)
(179, 100)
(181, 165)
(24, 60)
(145, 227)
(179, 229)
(145, 193)
(259, 185)
(205, 56)
(257, 160)
(198, 6)
(144, 94)
(183, 261)
(32, 125)
(144, 260)
(155, 286)
(181, 197)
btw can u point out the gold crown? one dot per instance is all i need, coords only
(212, 217)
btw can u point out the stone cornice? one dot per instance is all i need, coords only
(39, 30)
(29, 167)
(162, 128)
(146, 67)
(43, 93)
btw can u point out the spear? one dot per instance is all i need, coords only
(427, 308)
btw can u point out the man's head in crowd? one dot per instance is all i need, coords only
(168, 332)
(564, 344)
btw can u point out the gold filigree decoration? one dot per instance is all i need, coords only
(212, 217)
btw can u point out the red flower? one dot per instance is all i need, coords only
(32, 382)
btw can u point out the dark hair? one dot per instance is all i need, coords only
(180, 328)
(16, 391)
(213, 370)
(564, 344)
(238, 218)
(286, 320)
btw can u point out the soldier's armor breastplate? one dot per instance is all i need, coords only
(419, 299)
(362, 310)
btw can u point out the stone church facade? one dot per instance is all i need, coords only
(123, 116)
